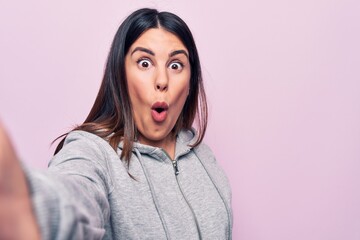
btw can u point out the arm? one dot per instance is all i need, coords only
(17, 220)
(71, 198)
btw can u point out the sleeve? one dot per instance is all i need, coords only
(70, 199)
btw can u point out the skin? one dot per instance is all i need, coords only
(17, 220)
(157, 70)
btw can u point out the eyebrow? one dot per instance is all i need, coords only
(176, 52)
(143, 50)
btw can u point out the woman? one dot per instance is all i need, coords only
(136, 169)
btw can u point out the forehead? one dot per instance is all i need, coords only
(158, 39)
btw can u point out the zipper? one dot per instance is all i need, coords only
(176, 170)
(175, 165)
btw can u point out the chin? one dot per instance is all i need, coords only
(156, 136)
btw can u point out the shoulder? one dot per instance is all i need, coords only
(82, 145)
(213, 168)
(204, 152)
(89, 141)
(85, 154)
(84, 136)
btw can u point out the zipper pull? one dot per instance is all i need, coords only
(175, 165)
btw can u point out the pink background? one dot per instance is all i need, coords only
(283, 81)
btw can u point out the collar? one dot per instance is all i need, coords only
(184, 139)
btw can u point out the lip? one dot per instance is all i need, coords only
(159, 111)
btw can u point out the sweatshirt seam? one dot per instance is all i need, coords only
(96, 139)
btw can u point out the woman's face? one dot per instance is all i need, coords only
(158, 77)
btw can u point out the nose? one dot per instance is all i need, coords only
(162, 80)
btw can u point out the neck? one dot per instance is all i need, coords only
(167, 144)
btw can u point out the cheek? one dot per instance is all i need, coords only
(137, 88)
(138, 103)
(135, 94)
(182, 94)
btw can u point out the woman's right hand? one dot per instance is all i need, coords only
(17, 220)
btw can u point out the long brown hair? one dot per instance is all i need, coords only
(111, 115)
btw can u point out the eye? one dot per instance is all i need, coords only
(144, 63)
(176, 66)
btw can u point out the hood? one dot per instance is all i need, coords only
(184, 139)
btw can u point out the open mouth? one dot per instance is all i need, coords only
(159, 111)
(160, 106)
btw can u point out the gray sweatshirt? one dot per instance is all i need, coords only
(87, 193)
